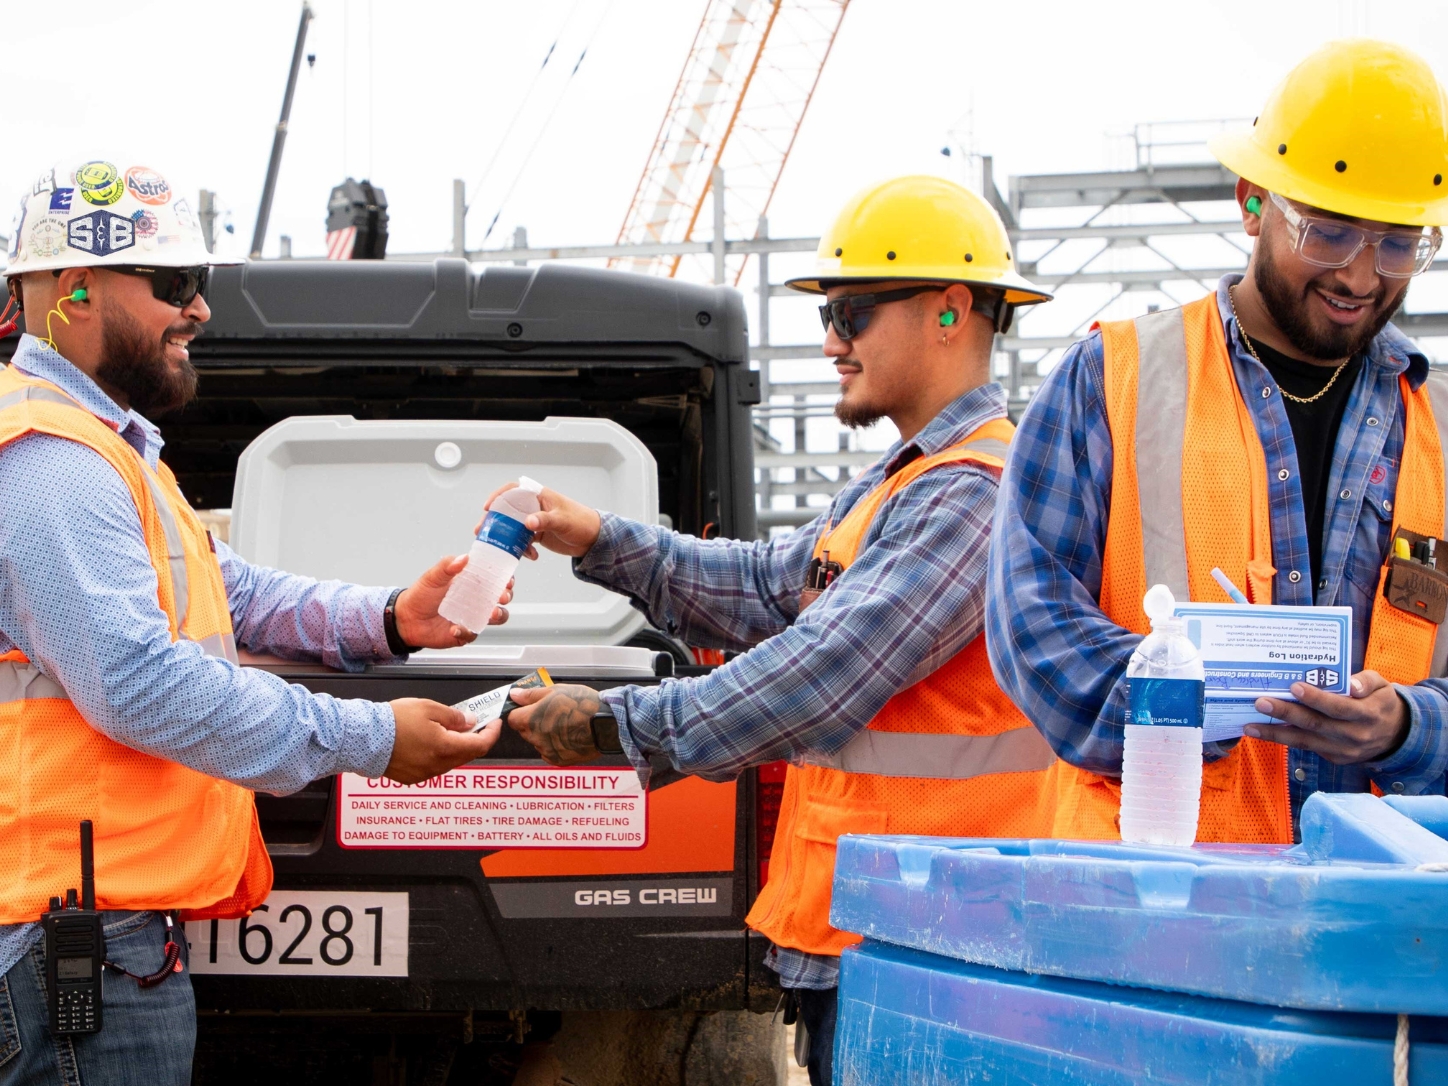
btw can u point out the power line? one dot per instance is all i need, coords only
(527, 97)
(543, 128)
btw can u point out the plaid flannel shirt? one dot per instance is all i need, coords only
(912, 599)
(1064, 662)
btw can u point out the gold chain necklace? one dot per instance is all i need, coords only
(1247, 342)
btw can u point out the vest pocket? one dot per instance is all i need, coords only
(820, 828)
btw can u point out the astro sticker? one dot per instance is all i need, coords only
(47, 237)
(60, 199)
(101, 233)
(146, 224)
(146, 185)
(100, 183)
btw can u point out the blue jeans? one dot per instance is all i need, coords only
(148, 1033)
(817, 1010)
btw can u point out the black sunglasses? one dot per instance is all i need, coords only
(851, 314)
(179, 286)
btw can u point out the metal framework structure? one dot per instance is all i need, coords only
(1109, 244)
(743, 91)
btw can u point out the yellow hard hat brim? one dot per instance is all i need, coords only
(1240, 153)
(1018, 290)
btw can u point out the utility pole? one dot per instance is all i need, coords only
(460, 218)
(716, 182)
(274, 167)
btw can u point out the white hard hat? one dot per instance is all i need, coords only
(94, 213)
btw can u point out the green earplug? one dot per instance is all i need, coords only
(947, 318)
(78, 294)
(1254, 205)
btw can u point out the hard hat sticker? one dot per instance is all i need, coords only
(100, 183)
(60, 199)
(47, 236)
(185, 216)
(101, 233)
(44, 183)
(146, 185)
(146, 224)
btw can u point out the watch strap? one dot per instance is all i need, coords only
(605, 731)
(395, 644)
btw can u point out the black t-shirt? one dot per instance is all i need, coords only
(1314, 430)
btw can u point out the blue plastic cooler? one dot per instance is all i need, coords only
(1012, 962)
(907, 1018)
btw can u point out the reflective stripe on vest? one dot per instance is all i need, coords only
(938, 756)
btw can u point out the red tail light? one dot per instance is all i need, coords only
(768, 796)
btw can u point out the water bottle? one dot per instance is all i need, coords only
(500, 543)
(1161, 774)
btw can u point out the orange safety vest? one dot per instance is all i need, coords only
(166, 837)
(1189, 493)
(950, 756)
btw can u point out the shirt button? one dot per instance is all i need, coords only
(1397, 786)
(1387, 505)
(1283, 474)
(1294, 576)
(1322, 584)
(1266, 392)
(1372, 422)
(1299, 774)
(1344, 494)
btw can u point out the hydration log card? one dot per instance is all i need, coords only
(1251, 651)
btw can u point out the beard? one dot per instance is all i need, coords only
(857, 416)
(1290, 312)
(138, 368)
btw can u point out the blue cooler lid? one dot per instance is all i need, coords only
(1355, 918)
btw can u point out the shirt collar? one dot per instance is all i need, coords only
(33, 357)
(1390, 349)
(957, 421)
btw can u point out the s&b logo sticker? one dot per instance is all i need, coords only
(47, 237)
(146, 185)
(100, 183)
(101, 233)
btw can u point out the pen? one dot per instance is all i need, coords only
(1228, 587)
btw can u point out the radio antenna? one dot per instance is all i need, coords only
(87, 866)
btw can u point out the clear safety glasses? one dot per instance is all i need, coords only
(1333, 243)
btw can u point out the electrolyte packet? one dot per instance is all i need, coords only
(1259, 650)
(489, 705)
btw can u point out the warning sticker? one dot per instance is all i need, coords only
(523, 806)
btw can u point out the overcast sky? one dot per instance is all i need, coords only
(413, 93)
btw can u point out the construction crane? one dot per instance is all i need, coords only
(746, 83)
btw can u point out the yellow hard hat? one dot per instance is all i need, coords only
(919, 227)
(1359, 128)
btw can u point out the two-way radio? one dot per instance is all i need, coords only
(75, 948)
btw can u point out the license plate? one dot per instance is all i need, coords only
(307, 933)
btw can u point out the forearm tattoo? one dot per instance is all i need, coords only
(562, 728)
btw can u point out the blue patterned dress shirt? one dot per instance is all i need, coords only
(78, 597)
